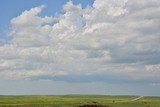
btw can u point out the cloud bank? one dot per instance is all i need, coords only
(110, 39)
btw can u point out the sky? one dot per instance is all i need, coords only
(109, 47)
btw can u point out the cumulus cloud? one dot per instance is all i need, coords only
(117, 38)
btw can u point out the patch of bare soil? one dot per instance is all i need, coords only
(93, 106)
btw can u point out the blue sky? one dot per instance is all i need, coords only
(97, 47)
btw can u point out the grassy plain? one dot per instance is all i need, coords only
(77, 100)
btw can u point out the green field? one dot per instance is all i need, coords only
(77, 100)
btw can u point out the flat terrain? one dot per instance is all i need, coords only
(79, 101)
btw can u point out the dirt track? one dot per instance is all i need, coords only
(135, 99)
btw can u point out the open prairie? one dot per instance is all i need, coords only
(78, 101)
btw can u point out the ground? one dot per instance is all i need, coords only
(78, 101)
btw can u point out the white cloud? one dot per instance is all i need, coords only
(111, 37)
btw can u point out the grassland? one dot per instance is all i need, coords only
(76, 101)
